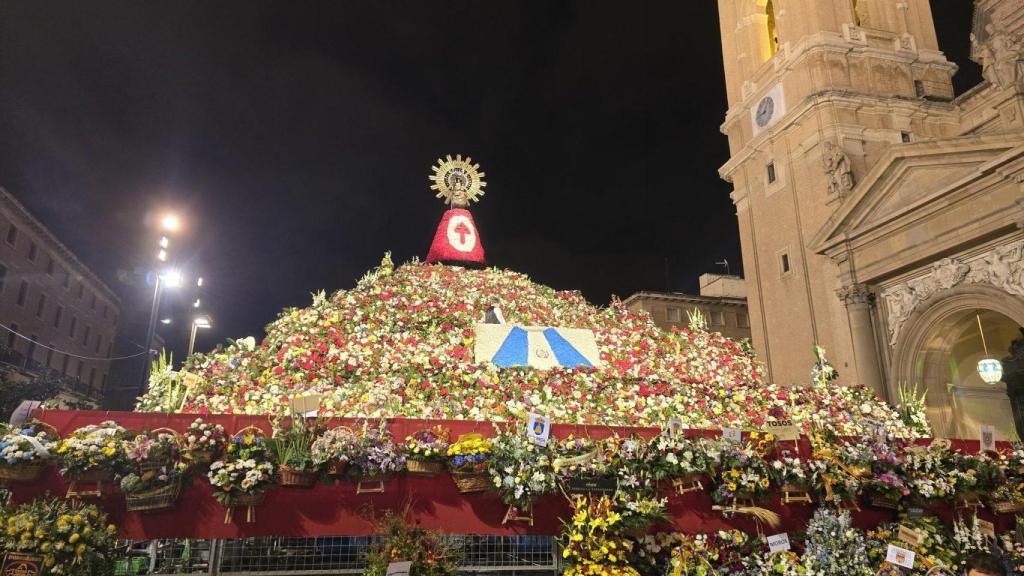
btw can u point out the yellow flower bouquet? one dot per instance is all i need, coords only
(93, 453)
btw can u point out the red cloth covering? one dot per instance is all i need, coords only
(334, 509)
(457, 239)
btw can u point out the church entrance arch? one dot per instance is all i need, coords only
(939, 349)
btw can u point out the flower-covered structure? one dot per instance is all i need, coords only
(401, 343)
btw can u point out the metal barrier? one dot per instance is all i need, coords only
(273, 556)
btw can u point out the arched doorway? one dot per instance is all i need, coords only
(940, 350)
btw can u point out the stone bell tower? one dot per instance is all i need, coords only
(818, 92)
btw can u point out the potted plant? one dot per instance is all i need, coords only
(292, 450)
(426, 450)
(467, 462)
(25, 451)
(242, 476)
(204, 441)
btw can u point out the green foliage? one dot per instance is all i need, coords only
(429, 553)
(291, 446)
(168, 390)
(912, 409)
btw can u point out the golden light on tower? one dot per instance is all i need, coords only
(458, 181)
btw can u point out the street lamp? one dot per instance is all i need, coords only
(198, 322)
(170, 222)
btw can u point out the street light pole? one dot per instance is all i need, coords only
(197, 323)
(191, 341)
(150, 331)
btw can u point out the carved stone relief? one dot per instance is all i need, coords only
(1001, 267)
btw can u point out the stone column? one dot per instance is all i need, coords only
(859, 300)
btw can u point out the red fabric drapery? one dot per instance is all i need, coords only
(334, 509)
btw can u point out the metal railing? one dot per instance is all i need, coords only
(275, 556)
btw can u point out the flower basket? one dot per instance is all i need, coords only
(424, 467)
(164, 460)
(153, 500)
(295, 478)
(21, 472)
(1008, 507)
(469, 482)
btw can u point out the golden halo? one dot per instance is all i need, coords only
(458, 181)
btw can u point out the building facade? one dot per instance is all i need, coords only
(722, 301)
(879, 216)
(67, 315)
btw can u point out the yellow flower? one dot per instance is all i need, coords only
(74, 537)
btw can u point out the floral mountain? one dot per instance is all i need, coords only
(401, 343)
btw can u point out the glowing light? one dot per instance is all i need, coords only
(196, 303)
(990, 370)
(172, 278)
(162, 255)
(170, 222)
(164, 242)
(165, 320)
(202, 322)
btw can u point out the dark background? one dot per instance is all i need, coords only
(296, 139)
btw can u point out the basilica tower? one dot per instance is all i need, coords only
(818, 92)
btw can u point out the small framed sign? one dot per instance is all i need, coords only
(988, 437)
(592, 485)
(778, 543)
(732, 434)
(985, 528)
(538, 428)
(899, 556)
(910, 535)
(399, 568)
(675, 427)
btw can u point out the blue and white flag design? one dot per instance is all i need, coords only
(507, 345)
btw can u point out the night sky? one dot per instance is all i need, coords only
(296, 139)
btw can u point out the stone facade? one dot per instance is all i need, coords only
(51, 297)
(866, 194)
(722, 301)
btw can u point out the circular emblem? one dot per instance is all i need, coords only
(461, 234)
(765, 109)
(541, 353)
(458, 181)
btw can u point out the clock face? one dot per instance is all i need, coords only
(765, 109)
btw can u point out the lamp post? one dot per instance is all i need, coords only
(198, 322)
(168, 223)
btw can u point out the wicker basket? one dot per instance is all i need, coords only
(158, 463)
(152, 500)
(94, 476)
(424, 468)
(1007, 507)
(26, 472)
(468, 482)
(202, 457)
(295, 478)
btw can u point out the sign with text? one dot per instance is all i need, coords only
(593, 485)
(778, 543)
(538, 428)
(16, 564)
(899, 556)
(784, 430)
(732, 434)
(988, 437)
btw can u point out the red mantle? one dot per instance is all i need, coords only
(335, 509)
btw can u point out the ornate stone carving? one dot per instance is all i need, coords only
(1001, 267)
(837, 168)
(856, 295)
(1001, 55)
